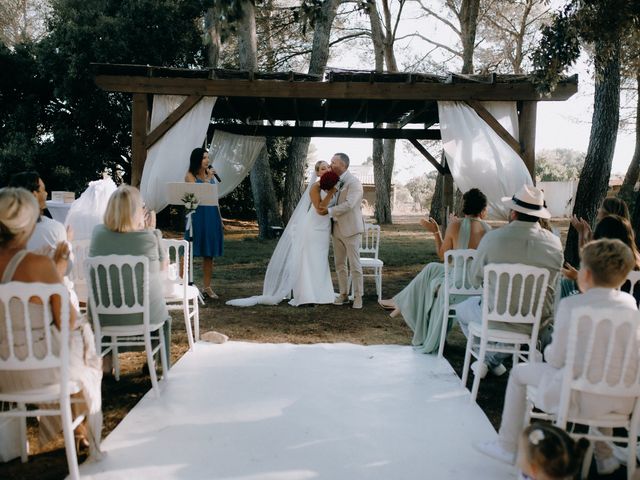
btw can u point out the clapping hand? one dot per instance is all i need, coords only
(61, 253)
(149, 218)
(569, 272)
(430, 225)
(582, 227)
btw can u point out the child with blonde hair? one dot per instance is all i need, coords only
(605, 265)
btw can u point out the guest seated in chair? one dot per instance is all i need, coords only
(605, 265)
(129, 229)
(421, 303)
(19, 212)
(524, 241)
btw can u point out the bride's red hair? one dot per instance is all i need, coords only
(328, 180)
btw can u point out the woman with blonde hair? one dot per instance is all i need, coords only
(129, 229)
(19, 212)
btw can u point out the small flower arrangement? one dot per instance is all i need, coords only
(328, 180)
(190, 201)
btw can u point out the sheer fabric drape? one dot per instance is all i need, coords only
(233, 157)
(478, 157)
(168, 159)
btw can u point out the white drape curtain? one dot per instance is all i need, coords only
(233, 157)
(478, 157)
(168, 159)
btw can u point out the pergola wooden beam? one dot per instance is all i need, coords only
(415, 114)
(441, 170)
(171, 120)
(363, 103)
(288, 131)
(332, 90)
(502, 132)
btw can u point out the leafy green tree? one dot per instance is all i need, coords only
(600, 25)
(559, 165)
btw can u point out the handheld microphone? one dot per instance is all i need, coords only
(215, 174)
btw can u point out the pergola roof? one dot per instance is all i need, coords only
(344, 96)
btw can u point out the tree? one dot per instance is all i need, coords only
(601, 24)
(384, 28)
(85, 129)
(323, 19)
(22, 21)
(422, 188)
(559, 165)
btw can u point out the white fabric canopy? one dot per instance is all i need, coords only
(88, 210)
(478, 157)
(168, 159)
(233, 156)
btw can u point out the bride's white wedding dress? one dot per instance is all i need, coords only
(299, 266)
(313, 281)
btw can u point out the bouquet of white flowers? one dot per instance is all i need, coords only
(190, 202)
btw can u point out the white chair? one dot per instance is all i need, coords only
(184, 296)
(15, 297)
(632, 281)
(613, 371)
(511, 294)
(107, 279)
(369, 256)
(80, 250)
(456, 282)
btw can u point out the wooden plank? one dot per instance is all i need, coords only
(415, 114)
(289, 131)
(139, 116)
(264, 109)
(331, 90)
(357, 114)
(173, 118)
(527, 129)
(428, 156)
(502, 132)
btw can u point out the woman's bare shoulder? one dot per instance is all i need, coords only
(189, 177)
(36, 268)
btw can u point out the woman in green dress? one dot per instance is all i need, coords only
(420, 302)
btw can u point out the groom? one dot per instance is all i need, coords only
(346, 231)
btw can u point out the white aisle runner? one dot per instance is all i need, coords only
(292, 412)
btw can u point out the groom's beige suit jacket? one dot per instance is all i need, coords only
(347, 211)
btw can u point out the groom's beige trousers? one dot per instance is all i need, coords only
(347, 248)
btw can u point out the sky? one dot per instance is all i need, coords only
(559, 125)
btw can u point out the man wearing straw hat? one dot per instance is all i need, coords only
(523, 240)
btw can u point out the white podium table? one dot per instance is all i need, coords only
(58, 210)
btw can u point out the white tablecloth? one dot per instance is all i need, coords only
(58, 210)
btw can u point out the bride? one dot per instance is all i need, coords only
(299, 266)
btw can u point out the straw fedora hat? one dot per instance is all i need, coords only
(529, 200)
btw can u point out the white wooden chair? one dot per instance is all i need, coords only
(456, 282)
(184, 296)
(107, 279)
(369, 257)
(632, 282)
(16, 296)
(614, 371)
(76, 275)
(511, 294)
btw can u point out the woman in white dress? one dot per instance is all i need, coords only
(299, 266)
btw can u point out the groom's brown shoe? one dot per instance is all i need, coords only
(357, 303)
(341, 299)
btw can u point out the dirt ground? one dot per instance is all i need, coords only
(404, 248)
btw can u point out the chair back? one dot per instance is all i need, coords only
(602, 355)
(178, 254)
(29, 338)
(118, 285)
(456, 272)
(514, 293)
(76, 275)
(370, 241)
(632, 285)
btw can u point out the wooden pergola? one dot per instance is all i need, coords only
(292, 104)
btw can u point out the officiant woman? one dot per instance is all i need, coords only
(207, 223)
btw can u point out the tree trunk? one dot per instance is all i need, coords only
(299, 147)
(212, 27)
(436, 210)
(633, 172)
(264, 194)
(594, 178)
(468, 24)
